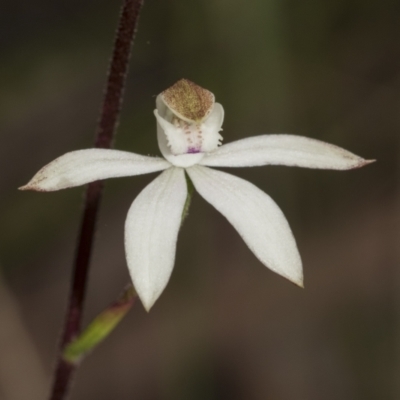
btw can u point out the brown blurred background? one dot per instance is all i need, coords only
(226, 327)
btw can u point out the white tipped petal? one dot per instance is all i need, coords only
(83, 166)
(290, 150)
(151, 232)
(255, 216)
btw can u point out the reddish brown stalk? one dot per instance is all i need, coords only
(104, 137)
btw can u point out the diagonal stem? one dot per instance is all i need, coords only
(104, 137)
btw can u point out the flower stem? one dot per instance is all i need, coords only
(104, 137)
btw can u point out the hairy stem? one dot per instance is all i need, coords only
(104, 137)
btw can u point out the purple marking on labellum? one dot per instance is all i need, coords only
(193, 150)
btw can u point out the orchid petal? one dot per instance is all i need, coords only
(255, 216)
(83, 166)
(181, 160)
(216, 118)
(290, 150)
(192, 138)
(151, 232)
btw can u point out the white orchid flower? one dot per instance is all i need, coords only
(188, 126)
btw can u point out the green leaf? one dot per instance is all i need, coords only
(100, 327)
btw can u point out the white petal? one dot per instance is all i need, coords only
(182, 160)
(290, 150)
(84, 166)
(167, 135)
(185, 138)
(216, 118)
(255, 216)
(151, 232)
(210, 129)
(162, 109)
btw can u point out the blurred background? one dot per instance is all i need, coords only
(226, 327)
